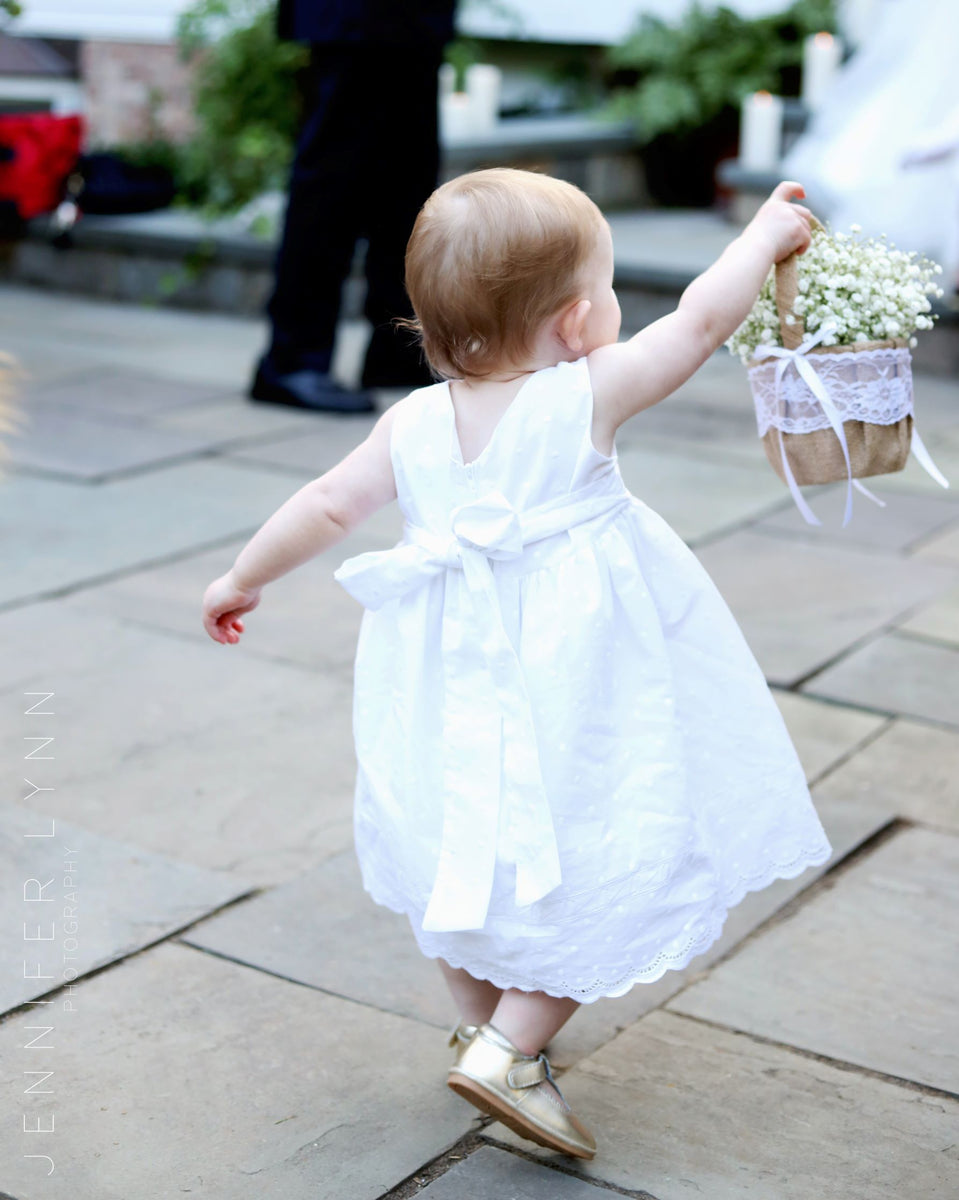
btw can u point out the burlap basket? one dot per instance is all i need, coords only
(816, 456)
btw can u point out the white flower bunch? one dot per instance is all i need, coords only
(865, 286)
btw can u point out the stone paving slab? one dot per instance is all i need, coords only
(939, 620)
(941, 548)
(179, 1072)
(801, 604)
(310, 450)
(680, 1109)
(305, 617)
(492, 1174)
(864, 972)
(106, 392)
(84, 900)
(308, 930)
(73, 533)
(824, 733)
(721, 383)
(910, 768)
(233, 419)
(702, 434)
(725, 494)
(905, 521)
(201, 347)
(896, 674)
(185, 748)
(88, 449)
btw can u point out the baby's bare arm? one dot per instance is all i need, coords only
(633, 375)
(319, 515)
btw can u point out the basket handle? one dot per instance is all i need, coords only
(787, 289)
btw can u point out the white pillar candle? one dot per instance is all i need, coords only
(760, 136)
(456, 117)
(483, 82)
(822, 54)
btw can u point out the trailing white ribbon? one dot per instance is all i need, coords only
(812, 380)
(482, 747)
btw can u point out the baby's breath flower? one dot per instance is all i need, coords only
(867, 288)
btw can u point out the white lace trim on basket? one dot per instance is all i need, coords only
(874, 386)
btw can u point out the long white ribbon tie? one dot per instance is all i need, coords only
(808, 374)
(814, 383)
(482, 748)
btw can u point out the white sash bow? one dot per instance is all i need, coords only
(482, 749)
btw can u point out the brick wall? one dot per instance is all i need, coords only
(134, 90)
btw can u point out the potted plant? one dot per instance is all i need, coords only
(682, 84)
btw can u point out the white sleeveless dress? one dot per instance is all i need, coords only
(569, 764)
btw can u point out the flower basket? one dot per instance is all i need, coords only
(869, 383)
(836, 403)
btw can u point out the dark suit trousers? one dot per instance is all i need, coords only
(366, 160)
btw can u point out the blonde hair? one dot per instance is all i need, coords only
(492, 256)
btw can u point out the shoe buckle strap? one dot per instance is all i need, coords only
(530, 1073)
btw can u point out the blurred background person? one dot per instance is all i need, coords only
(366, 159)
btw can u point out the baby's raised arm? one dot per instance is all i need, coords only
(630, 376)
(319, 515)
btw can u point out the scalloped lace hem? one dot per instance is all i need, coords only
(673, 960)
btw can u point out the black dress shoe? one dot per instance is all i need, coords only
(308, 389)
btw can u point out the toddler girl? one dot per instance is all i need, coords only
(569, 764)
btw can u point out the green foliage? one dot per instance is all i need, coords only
(246, 103)
(11, 8)
(680, 77)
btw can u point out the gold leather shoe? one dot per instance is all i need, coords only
(498, 1079)
(461, 1037)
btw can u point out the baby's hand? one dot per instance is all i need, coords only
(784, 226)
(223, 604)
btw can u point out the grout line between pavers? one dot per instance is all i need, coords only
(313, 987)
(866, 549)
(794, 904)
(415, 1183)
(931, 536)
(47, 997)
(333, 668)
(840, 1064)
(864, 742)
(93, 581)
(561, 1168)
(434, 1168)
(926, 639)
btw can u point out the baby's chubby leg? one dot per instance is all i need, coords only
(531, 1019)
(476, 999)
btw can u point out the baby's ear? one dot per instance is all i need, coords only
(571, 323)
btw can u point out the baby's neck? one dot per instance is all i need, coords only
(511, 372)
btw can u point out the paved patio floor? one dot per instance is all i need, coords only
(224, 1011)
